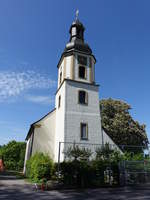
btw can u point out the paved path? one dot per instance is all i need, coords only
(12, 188)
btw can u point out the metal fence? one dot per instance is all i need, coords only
(134, 172)
(64, 146)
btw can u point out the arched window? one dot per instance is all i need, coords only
(83, 97)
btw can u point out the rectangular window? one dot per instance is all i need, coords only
(84, 131)
(82, 72)
(59, 101)
(82, 60)
(60, 78)
(83, 97)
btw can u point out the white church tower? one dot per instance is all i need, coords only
(77, 97)
(76, 116)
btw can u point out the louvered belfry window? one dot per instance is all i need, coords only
(82, 60)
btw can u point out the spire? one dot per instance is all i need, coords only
(77, 29)
(76, 41)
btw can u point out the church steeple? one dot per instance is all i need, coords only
(76, 41)
(77, 62)
(77, 29)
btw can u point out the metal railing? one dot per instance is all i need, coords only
(64, 146)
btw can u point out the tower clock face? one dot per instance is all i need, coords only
(82, 60)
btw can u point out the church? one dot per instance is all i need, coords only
(76, 116)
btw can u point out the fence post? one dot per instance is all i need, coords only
(122, 175)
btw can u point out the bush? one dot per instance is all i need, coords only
(13, 155)
(82, 170)
(77, 173)
(76, 153)
(38, 167)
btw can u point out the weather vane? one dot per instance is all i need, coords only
(77, 14)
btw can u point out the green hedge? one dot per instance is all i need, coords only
(82, 170)
(88, 173)
(39, 167)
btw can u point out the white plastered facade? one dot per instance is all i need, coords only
(63, 124)
(41, 137)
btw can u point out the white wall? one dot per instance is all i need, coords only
(28, 150)
(68, 66)
(76, 113)
(44, 136)
(60, 119)
(107, 139)
(26, 155)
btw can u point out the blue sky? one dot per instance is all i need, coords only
(33, 34)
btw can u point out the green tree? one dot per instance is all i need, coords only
(119, 124)
(76, 153)
(39, 166)
(13, 155)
